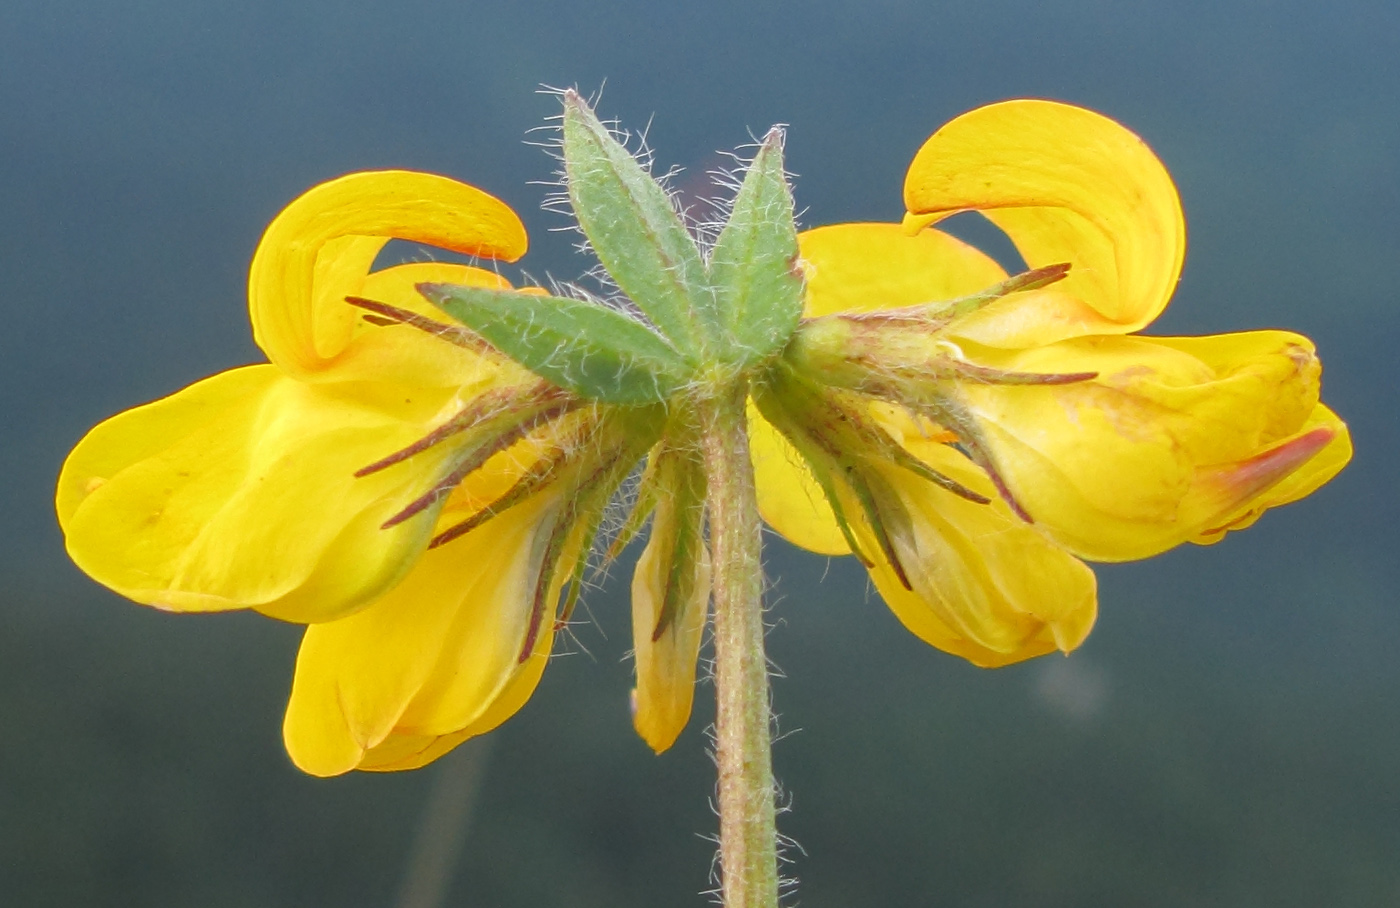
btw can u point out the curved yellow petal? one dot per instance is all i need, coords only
(1233, 497)
(401, 750)
(405, 355)
(985, 586)
(860, 267)
(789, 498)
(239, 492)
(323, 244)
(1029, 319)
(1327, 463)
(665, 688)
(437, 657)
(1174, 436)
(1066, 185)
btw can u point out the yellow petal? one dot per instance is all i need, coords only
(986, 586)
(401, 750)
(322, 245)
(1066, 185)
(1234, 496)
(1320, 468)
(1127, 465)
(404, 355)
(666, 666)
(239, 491)
(863, 267)
(1030, 319)
(860, 267)
(436, 657)
(789, 499)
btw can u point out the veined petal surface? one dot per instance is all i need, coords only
(1066, 185)
(322, 245)
(239, 492)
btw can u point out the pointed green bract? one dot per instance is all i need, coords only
(635, 232)
(754, 266)
(940, 314)
(589, 349)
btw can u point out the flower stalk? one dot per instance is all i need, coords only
(748, 833)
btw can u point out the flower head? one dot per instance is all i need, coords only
(420, 471)
(341, 485)
(1050, 430)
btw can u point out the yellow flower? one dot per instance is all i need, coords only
(1083, 439)
(421, 501)
(278, 488)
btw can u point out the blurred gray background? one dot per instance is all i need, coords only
(1227, 737)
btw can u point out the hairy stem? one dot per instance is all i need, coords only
(748, 834)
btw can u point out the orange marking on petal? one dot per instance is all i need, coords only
(1241, 481)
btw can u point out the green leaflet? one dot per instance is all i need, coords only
(635, 232)
(586, 348)
(754, 265)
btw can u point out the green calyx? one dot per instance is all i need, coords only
(702, 317)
